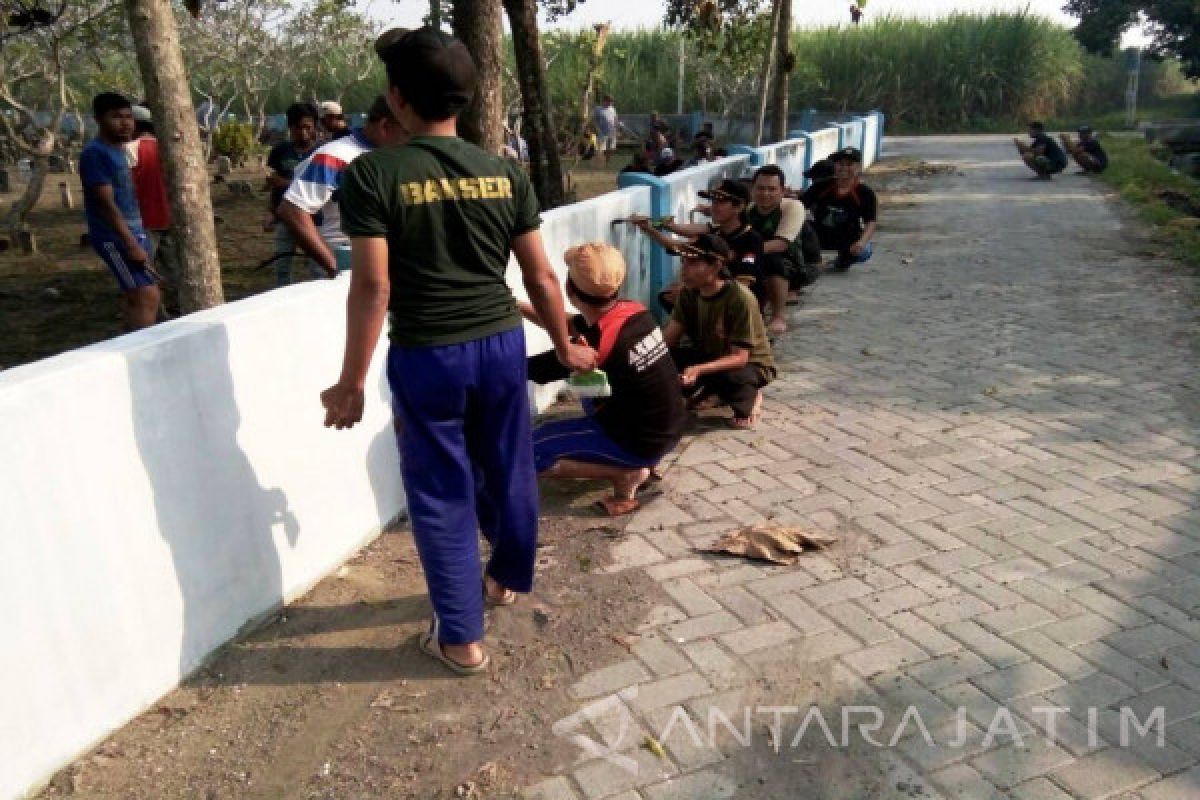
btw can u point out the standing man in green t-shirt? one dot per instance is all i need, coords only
(730, 359)
(432, 225)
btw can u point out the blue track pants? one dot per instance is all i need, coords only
(463, 429)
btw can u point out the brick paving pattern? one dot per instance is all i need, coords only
(1003, 435)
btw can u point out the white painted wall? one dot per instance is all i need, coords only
(685, 184)
(160, 490)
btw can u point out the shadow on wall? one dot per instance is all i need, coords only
(223, 527)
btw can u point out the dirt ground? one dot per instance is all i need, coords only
(332, 698)
(64, 297)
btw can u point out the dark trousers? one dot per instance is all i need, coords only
(736, 388)
(462, 417)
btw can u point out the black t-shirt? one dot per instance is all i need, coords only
(645, 413)
(1092, 147)
(1050, 149)
(747, 247)
(840, 219)
(283, 160)
(449, 212)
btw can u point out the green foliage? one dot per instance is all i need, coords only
(946, 73)
(1138, 176)
(1174, 26)
(236, 140)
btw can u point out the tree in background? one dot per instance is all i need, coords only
(156, 38)
(40, 45)
(234, 55)
(327, 49)
(479, 25)
(545, 164)
(731, 33)
(1174, 26)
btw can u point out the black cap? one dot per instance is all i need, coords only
(820, 170)
(847, 154)
(727, 189)
(431, 69)
(708, 246)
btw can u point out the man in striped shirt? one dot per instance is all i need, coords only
(309, 208)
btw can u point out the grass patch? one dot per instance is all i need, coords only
(1138, 177)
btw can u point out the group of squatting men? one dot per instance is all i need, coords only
(431, 226)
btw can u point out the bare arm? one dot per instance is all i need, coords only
(735, 359)
(687, 228)
(542, 285)
(776, 245)
(530, 313)
(366, 307)
(305, 232)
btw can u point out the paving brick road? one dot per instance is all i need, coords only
(1003, 435)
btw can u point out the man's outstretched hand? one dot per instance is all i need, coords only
(578, 358)
(343, 406)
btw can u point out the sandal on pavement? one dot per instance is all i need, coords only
(431, 647)
(618, 507)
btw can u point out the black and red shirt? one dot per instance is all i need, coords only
(645, 413)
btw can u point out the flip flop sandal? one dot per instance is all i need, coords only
(742, 423)
(508, 598)
(430, 646)
(615, 507)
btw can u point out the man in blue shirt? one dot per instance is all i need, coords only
(114, 221)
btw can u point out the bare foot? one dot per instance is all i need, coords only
(626, 487)
(778, 325)
(497, 595)
(748, 423)
(465, 655)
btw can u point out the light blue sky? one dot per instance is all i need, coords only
(648, 13)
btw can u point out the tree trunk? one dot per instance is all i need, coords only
(156, 39)
(480, 26)
(14, 220)
(784, 61)
(545, 165)
(764, 83)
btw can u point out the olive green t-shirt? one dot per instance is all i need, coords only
(730, 318)
(449, 212)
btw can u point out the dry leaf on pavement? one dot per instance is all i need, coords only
(774, 543)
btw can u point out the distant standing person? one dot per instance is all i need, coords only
(1087, 152)
(282, 161)
(314, 191)
(607, 126)
(150, 185)
(1042, 154)
(432, 225)
(844, 210)
(333, 121)
(114, 220)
